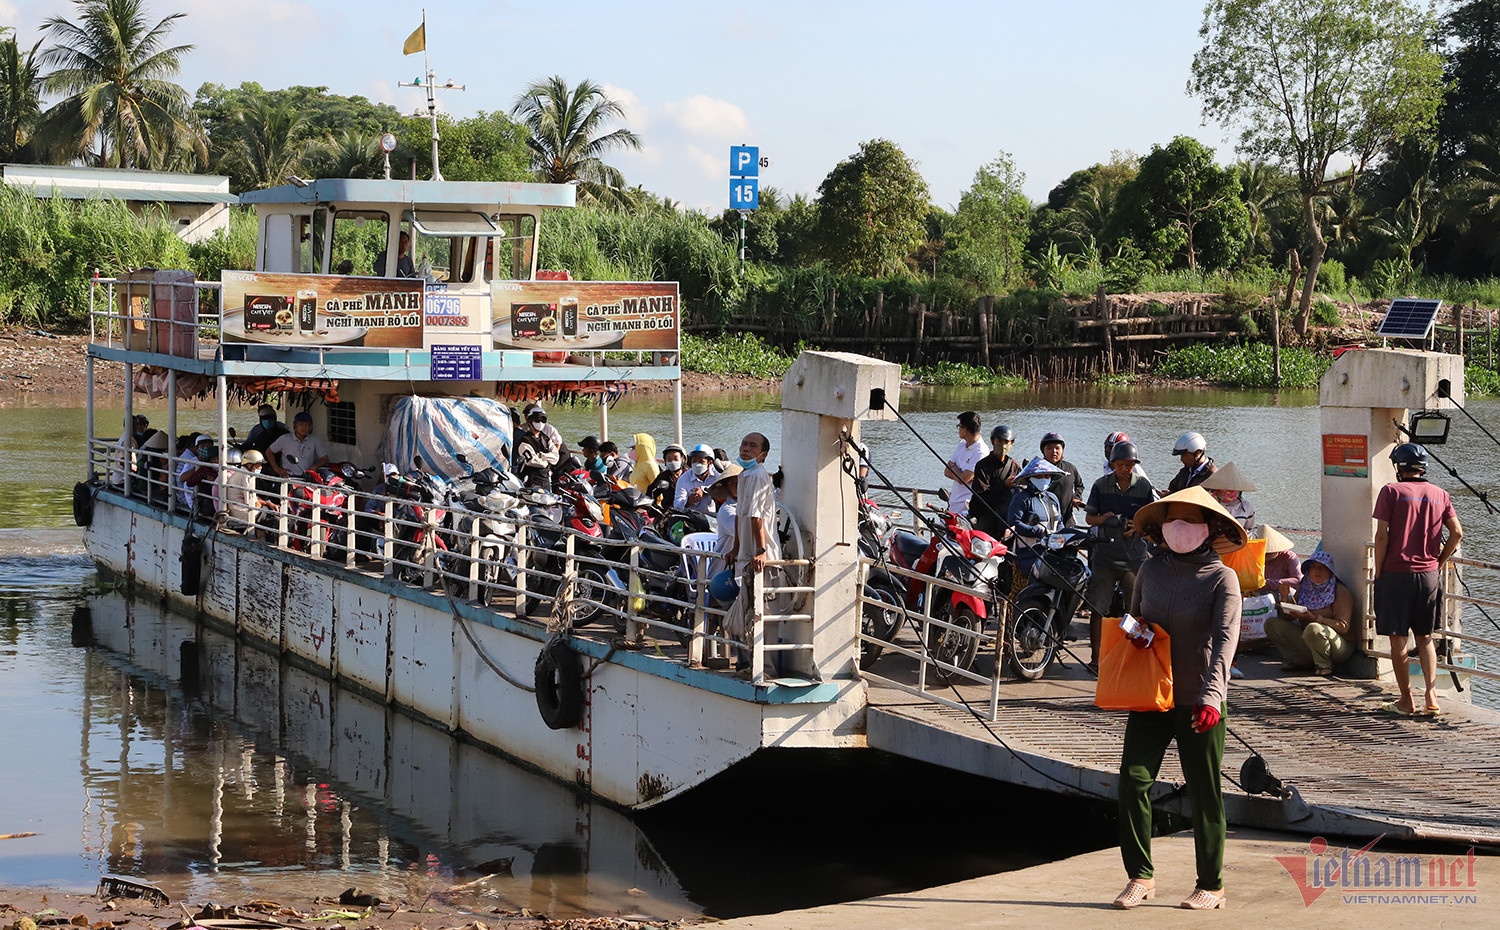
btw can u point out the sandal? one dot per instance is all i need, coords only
(1203, 900)
(1390, 707)
(1323, 672)
(1432, 710)
(1135, 892)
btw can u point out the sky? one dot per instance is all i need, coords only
(1058, 86)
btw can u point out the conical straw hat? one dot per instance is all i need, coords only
(1228, 478)
(1275, 542)
(1149, 518)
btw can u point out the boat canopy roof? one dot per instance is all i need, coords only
(417, 193)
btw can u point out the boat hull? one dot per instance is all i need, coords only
(651, 729)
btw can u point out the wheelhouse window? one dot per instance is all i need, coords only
(358, 242)
(513, 248)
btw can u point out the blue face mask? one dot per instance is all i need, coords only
(268, 422)
(748, 464)
(204, 453)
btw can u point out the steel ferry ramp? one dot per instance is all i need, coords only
(1358, 771)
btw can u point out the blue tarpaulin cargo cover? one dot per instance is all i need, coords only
(439, 428)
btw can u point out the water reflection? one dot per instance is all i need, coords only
(255, 778)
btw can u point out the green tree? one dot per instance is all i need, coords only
(567, 137)
(120, 108)
(1186, 204)
(1309, 82)
(1265, 189)
(20, 98)
(484, 147)
(1080, 210)
(992, 221)
(1471, 106)
(871, 211)
(267, 143)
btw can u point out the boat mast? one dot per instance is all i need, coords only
(419, 39)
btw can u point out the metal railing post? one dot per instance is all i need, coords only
(757, 603)
(388, 519)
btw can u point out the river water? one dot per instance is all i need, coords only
(222, 777)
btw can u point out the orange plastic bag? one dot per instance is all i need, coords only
(1131, 678)
(1250, 564)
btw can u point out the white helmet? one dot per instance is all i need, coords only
(252, 457)
(1189, 442)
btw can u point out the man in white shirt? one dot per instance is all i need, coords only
(308, 450)
(960, 467)
(692, 487)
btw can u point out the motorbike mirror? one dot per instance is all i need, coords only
(417, 462)
(292, 459)
(943, 493)
(462, 459)
(233, 434)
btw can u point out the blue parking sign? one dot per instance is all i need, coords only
(744, 193)
(744, 161)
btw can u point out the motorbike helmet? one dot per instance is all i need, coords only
(233, 456)
(252, 457)
(1002, 433)
(703, 449)
(1409, 456)
(1123, 452)
(723, 586)
(1189, 442)
(1050, 438)
(535, 414)
(1112, 438)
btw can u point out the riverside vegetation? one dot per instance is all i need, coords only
(57, 245)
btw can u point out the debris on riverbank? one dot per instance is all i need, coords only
(43, 909)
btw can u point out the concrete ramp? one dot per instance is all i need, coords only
(1360, 771)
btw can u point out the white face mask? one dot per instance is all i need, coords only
(671, 465)
(1041, 484)
(1183, 536)
(611, 459)
(700, 469)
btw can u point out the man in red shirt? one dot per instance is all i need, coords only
(1410, 551)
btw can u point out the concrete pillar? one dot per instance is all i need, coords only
(1361, 398)
(823, 395)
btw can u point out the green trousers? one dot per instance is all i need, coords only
(1147, 735)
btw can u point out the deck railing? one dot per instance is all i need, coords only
(521, 568)
(166, 313)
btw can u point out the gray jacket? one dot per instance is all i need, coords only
(1196, 599)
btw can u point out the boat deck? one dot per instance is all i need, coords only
(1360, 771)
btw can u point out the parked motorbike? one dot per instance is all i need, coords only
(481, 508)
(962, 555)
(883, 620)
(594, 583)
(1045, 607)
(421, 515)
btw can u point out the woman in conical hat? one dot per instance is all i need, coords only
(1229, 485)
(1187, 591)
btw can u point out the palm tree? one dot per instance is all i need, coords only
(350, 154)
(266, 143)
(566, 142)
(121, 109)
(20, 99)
(1263, 187)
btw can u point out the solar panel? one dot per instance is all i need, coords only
(1409, 318)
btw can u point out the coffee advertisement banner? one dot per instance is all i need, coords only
(584, 316)
(321, 310)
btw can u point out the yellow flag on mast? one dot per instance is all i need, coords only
(417, 41)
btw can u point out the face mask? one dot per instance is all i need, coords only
(268, 422)
(671, 465)
(700, 469)
(1041, 484)
(748, 464)
(611, 459)
(1182, 536)
(204, 453)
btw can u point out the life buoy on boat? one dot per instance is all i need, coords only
(559, 685)
(83, 503)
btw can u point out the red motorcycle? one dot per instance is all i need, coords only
(595, 583)
(964, 556)
(421, 517)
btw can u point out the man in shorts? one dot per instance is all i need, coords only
(1410, 551)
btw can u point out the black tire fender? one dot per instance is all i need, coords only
(83, 503)
(559, 685)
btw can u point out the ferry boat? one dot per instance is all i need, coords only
(416, 361)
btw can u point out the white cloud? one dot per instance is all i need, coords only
(637, 115)
(711, 166)
(703, 117)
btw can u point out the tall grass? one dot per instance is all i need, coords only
(740, 354)
(53, 246)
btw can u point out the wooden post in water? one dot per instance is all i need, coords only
(1276, 342)
(986, 304)
(1107, 323)
(921, 313)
